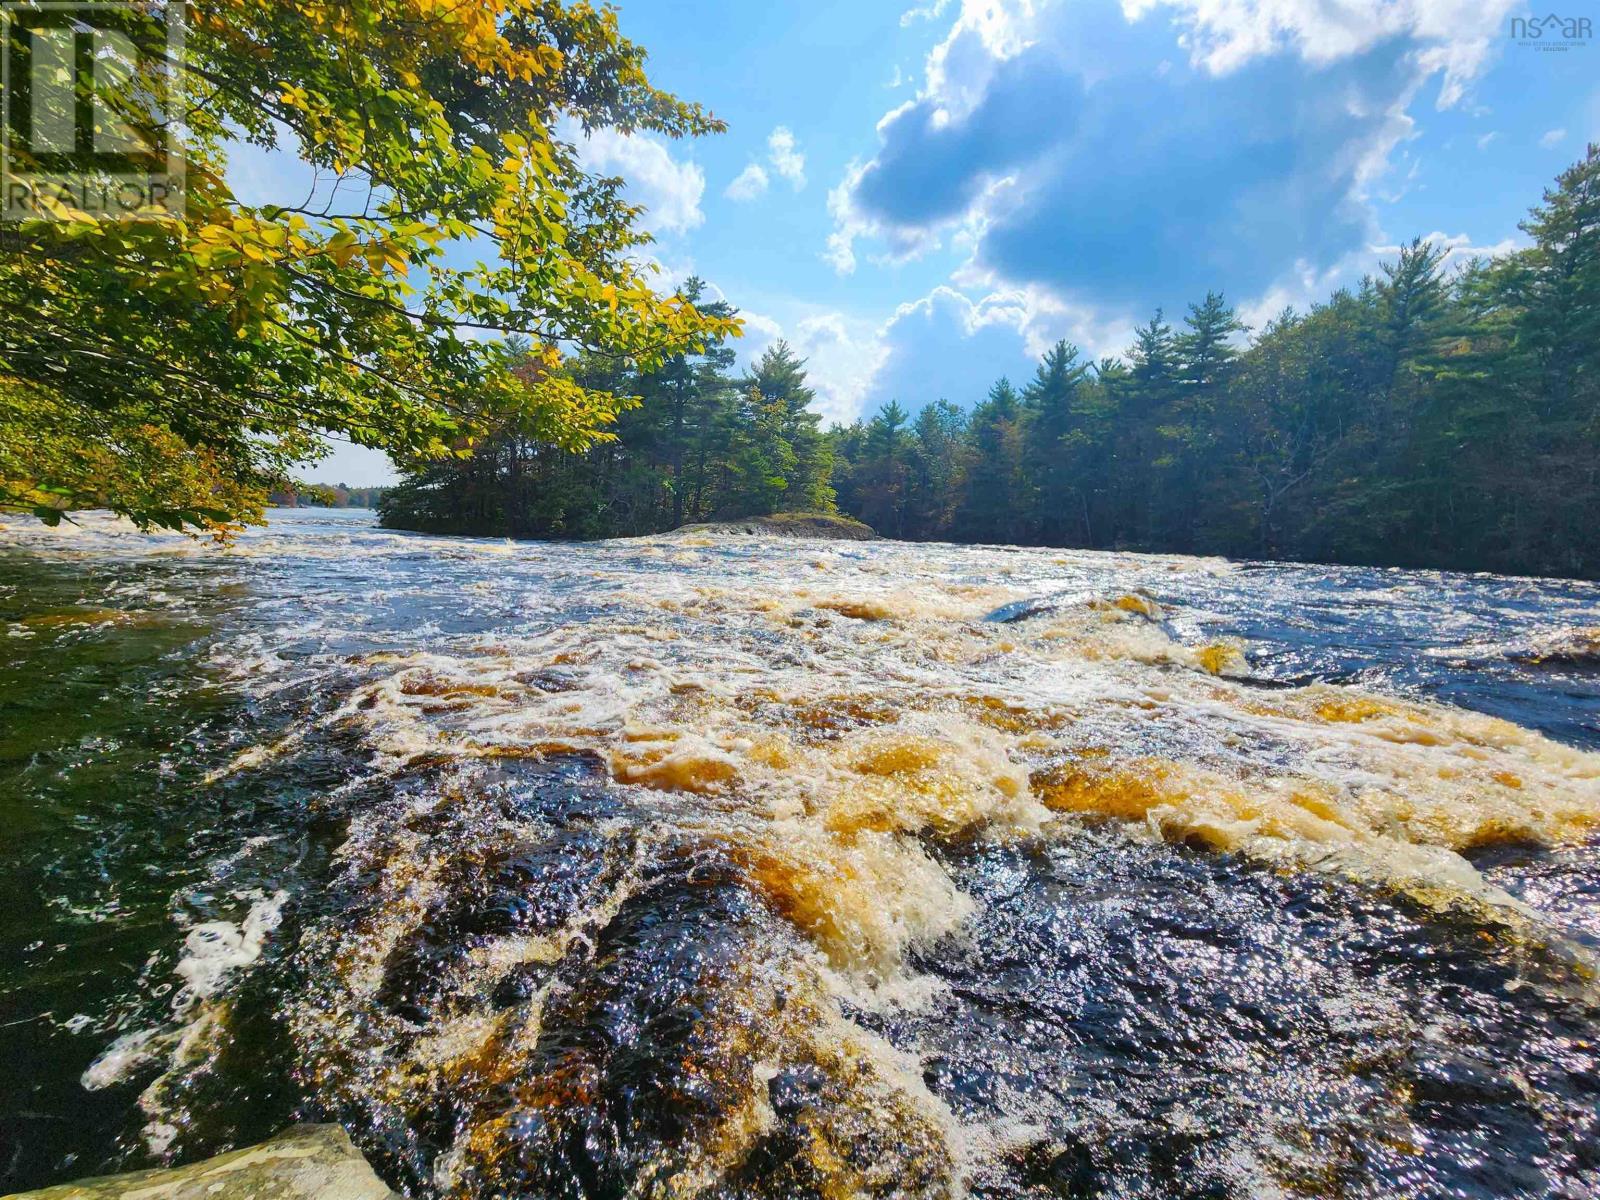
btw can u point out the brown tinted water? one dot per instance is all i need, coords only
(733, 867)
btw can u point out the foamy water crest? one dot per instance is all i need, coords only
(680, 866)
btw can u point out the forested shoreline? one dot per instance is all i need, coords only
(702, 442)
(1429, 417)
(322, 495)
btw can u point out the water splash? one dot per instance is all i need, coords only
(689, 867)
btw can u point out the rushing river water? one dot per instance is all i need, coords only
(739, 867)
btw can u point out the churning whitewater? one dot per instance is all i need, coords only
(725, 866)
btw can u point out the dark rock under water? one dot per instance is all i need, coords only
(732, 867)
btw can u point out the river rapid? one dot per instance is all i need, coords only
(728, 866)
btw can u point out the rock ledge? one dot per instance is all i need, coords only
(795, 525)
(302, 1162)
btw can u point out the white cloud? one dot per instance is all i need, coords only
(902, 244)
(1458, 248)
(751, 183)
(671, 191)
(969, 165)
(1022, 98)
(784, 157)
(1303, 285)
(841, 252)
(843, 355)
(783, 152)
(944, 344)
(928, 12)
(986, 33)
(847, 226)
(669, 276)
(1456, 37)
(948, 345)
(1553, 138)
(1040, 317)
(760, 331)
(1488, 139)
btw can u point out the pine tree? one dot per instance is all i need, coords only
(989, 510)
(1559, 279)
(1205, 352)
(937, 457)
(881, 478)
(780, 376)
(761, 460)
(1053, 499)
(686, 393)
(1155, 366)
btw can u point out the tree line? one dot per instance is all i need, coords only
(700, 441)
(324, 495)
(1426, 417)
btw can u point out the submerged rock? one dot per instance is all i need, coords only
(303, 1161)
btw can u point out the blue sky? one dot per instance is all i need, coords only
(920, 198)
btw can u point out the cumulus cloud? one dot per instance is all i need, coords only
(669, 190)
(783, 152)
(1452, 37)
(1553, 138)
(1305, 285)
(985, 33)
(750, 184)
(1458, 248)
(1062, 145)
(786, 161)
(760, 331)
(944, 345)
(1088, 172)
(950, 346)
(918, 366)
(847, 226)
(927, 12)
(843, 355)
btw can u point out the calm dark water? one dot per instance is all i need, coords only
(751, 868)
